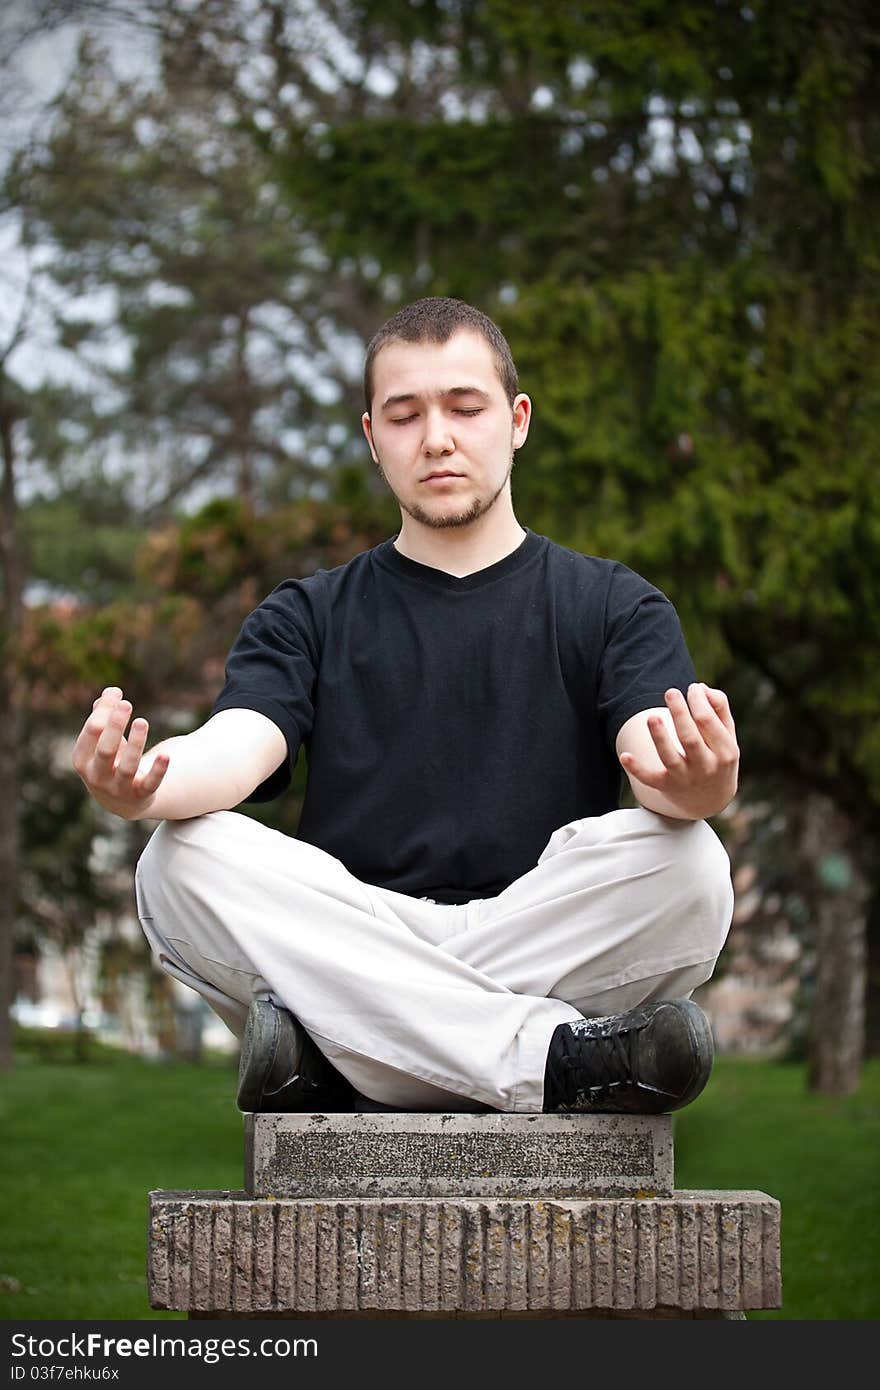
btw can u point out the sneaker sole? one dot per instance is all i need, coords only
(260, 1041)
(700, 1030)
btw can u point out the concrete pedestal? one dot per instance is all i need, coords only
(225, 1251)
(439, 1216)
(423, 1155)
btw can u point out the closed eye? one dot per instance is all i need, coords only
(406, 419)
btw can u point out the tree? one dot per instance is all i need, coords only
(22, 413)
(11, 567)
(219, 360)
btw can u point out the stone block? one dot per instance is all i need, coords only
(452, 1155)
(683, 1255)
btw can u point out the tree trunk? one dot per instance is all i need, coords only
(10, 726)
(243, 414)
(872, 1024)
(9, 855)
(839, 895)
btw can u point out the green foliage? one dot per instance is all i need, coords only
(62, 890)
(189, 585)
(81, 542)
(59, 1047)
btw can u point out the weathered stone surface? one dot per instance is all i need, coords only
(691, 1252)
(449, 1155)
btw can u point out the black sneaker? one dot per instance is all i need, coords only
(653, 1059)
(281, 1069)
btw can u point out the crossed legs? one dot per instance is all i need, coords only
(427, 1006)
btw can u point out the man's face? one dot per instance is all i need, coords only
(442, 432)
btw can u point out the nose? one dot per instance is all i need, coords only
(438, 439)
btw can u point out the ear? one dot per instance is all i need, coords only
(367, 424)
(522, 414)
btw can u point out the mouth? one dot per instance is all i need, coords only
(441, 475)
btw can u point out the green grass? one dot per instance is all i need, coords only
(756, 1127)
(82, 1146)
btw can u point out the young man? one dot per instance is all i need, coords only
(465, 920)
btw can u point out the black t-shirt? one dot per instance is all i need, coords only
(452, 724)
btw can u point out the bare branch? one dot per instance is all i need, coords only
(21, 323)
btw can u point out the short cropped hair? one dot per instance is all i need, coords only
(434, 320)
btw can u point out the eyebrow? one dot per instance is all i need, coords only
(452, 391)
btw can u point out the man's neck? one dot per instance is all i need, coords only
(460, 550)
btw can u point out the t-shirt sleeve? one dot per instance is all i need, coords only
(645, 653)
(272, 669)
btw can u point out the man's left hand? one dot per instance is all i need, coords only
(683, 760)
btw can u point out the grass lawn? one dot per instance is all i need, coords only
(82, 1146)
(756, 1127)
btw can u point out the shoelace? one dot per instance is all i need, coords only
(597, 1063)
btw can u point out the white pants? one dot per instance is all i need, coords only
(422, 1005)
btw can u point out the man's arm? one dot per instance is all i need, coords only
(683, 760)
(212, 769)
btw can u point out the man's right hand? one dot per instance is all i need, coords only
(112, 766)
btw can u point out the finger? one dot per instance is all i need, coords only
(110, 695)
(647, 773)
(109, 741)
(131, 752)
(87, 741)
(667, 751)
(151, 779)
(689, 735)
(713, 732)
(721, 705)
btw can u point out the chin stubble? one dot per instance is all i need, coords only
(478, 507)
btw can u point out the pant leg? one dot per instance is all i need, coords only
(620, 909)
(236, 910)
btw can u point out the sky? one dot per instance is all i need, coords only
(32, 74)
